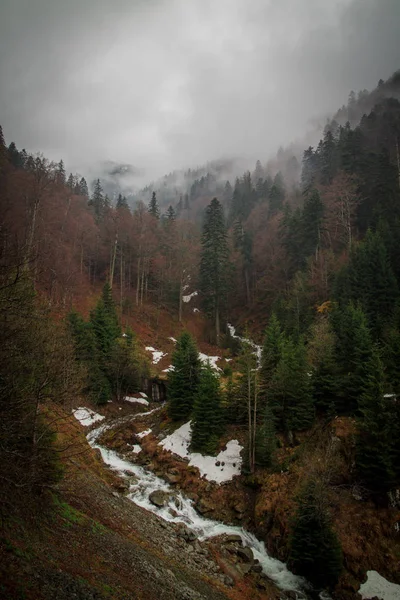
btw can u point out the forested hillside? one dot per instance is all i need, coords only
(304, 261)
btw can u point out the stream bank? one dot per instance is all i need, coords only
(237, 555)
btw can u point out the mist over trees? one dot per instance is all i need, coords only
(307, 254)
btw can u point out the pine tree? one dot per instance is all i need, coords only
(271, 351)
(276, 195)
(184, 378)
(266, 440)
(83, 188)
(153, 207)
(122, 203)
(171, 216)
(374, 442)
(311, 223)
(206, 420)
(353, 351)
(371, 281)
(71, 182)
(15, 156)
(315, 550)
(98, 200)
(87, 354)
(60, 173)
(290, 394)
(214, 264)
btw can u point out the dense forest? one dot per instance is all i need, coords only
(305, 259)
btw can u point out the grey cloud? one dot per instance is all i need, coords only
(168, 83)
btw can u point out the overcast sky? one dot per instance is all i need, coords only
(163, 84)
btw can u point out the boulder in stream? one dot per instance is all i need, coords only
(159, 498)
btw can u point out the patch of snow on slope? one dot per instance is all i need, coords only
(172, 339)
(196, 310)
(86, 416)
(143, 434)
(210, 359)
(135, 448)
(189, 297)
(378, 586)
(136, 400)
(229, 460)
(168, 369)
(157, 354)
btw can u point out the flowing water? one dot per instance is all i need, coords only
(180, 509)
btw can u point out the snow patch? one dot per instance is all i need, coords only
(210, 359)
(136, 400)
(378, 586)
(135, 448)
(189, 297)
(143, 434)
(229, 460)
(157, 354)
(196, 310)
(86, 416)
(172, 339)
(168, 369)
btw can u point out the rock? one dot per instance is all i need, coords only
(239, 507)
(256, 568)
(290, 595)
(115, 494)
(244, 568)
(171, 478)
(246, 554)
(218, 464)
(159, 498)
(187, 534)
(205, 506)
(228, 581)
(232, 538)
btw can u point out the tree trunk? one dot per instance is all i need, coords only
(138, 281)
(113, 257)
(217, 326)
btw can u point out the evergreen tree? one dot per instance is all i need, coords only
(311, 223)
(214, 264)
(271, 351)
(315, 550)
(290, 394)
(86, 353)
(83, 188)
(276, 195)
(309, 171)
(370, 281)
(325, 371)
(171, 216)
(184, 378)
(122, 203)
(15, 157)
(206, 420)
(266, 440)
(71, 182)
(60, 173)
(353, 351)
(374, 442)
(98, 200)
(153, 207)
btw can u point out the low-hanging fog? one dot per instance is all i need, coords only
(163, 84)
